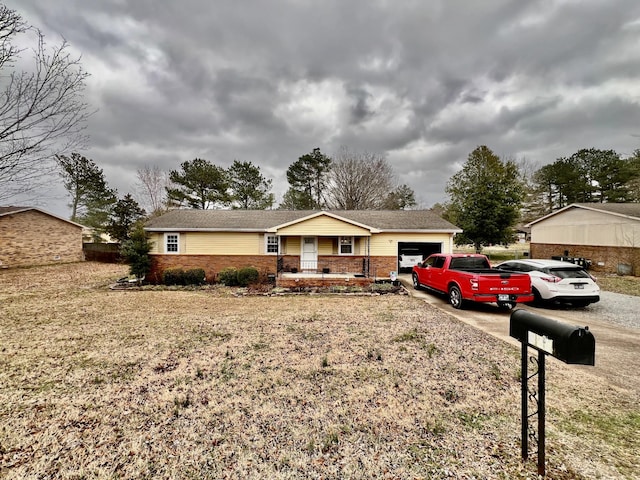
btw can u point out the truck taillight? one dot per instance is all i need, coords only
(474, 283)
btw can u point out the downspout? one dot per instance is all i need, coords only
(279, 260)
(368, 257)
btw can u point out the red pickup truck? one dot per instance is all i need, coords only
(470, 278)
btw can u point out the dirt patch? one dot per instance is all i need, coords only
(204, 384)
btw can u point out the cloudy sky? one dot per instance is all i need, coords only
(422, 82)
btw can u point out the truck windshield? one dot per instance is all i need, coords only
(468, 263)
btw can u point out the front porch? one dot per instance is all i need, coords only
(359, 265)
(322, 280)
(326, 271)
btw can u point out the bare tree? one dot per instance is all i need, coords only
(42, 112)
(151, 188)
(359, 181)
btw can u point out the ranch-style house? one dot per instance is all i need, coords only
(312, 247)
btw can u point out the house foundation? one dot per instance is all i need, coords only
(320, 280)
(329, 271)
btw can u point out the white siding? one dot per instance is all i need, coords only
(323, 226)
(578, 226)
(386, 244)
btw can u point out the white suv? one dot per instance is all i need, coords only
(556, 281)
(409, 258)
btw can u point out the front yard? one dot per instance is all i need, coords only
(205, 384)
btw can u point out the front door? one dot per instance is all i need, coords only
(309, 257)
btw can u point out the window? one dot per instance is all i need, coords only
(565, 272)
(346, 246)
(272, 242)
(171, 243)
(438, 262)
(428, 262)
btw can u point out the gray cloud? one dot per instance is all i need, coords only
(421, 82)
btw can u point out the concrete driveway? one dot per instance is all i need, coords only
(614, 322)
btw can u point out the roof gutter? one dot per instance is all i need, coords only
(192, 229)
(423, 230)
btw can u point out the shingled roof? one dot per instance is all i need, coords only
(626, 209)
(264, 220)
(9, 210)
(631, 210)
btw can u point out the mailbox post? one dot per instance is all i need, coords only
(573, 345)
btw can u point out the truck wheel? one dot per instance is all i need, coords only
(455, 297)
(537, 298)
(416, 283)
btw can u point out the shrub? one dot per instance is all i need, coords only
(136, 250)
(178, 276)
(194, 276)
(228, 276)
(173, 276)
(247, 276)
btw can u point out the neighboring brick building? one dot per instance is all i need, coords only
(607, 234)
(30, 236)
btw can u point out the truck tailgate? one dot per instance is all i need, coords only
(508, 283)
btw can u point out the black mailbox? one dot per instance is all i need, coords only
(567, 343)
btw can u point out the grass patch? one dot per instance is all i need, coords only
(625, 285)
(619, 430)
(202, 384)
(410, 336)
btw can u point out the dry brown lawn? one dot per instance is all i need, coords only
(97, 383)
(624, 284)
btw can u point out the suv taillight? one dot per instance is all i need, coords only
(551, 279)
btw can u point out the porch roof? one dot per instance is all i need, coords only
(328, 222)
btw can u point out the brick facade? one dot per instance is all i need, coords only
(32, 237)
(603, 259)
(265, 264)
(211, 264)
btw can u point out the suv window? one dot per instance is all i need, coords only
(516, 267)
(568, 272)
(510, 267)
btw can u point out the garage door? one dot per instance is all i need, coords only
(409, 251)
